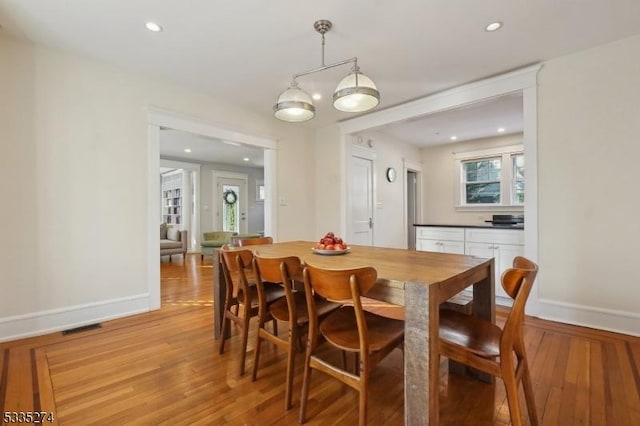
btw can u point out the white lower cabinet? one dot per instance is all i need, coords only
(501, 244)
(443, 240)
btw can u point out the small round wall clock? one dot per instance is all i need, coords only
(391, 174)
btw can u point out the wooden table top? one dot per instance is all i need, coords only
(395, 265)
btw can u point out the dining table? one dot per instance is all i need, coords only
(418, 280)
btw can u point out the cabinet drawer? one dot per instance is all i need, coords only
(496, 236)
(435, 233)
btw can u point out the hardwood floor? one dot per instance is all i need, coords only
(164, 367)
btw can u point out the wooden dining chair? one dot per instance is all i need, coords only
(243, 242)
(241, 294)
(291, 309)
(349, 328)
(484, 346)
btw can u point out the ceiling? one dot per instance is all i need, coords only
(245, 52)
(209, 150)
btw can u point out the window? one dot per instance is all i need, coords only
(490, 178)
(517, 189)
(482, 181)
(259, 191)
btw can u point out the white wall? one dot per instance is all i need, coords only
(328, 174)
(589, 127)
(440, 175)
(74, 166)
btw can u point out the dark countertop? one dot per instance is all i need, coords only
(487, 226)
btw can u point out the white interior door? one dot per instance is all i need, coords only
(361, 201)
(231, 211)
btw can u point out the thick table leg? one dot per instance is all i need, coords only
(421, 360)
(484, 306)
(219, 293)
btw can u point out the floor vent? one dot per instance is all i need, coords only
(81, 329)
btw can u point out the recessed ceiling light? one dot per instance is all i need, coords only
(501, 130)
(453, 138)
(187, 150)
(152, 26)
(494, 26)
(316, 96)
(246, 158)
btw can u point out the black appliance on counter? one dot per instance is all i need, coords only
(508, 220)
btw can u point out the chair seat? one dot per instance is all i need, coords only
(280, 311)
(273, 292)
(472, 333)
(340, 329)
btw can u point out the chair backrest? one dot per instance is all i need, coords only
(335, 284)
(235, 275)
(339, 285)
(242, 242)
(278, 270)
(517, 283)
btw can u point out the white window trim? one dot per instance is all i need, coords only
(505, 181)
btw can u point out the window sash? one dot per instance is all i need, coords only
(482, 181)
(517, 182)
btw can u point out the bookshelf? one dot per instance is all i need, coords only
(172, 191)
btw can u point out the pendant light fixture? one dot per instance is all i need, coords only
(355, 93)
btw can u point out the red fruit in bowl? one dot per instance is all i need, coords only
(329, 247)
(328, 241)
(339, 247)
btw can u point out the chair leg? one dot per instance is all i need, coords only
(223, 339)
(528, 394)
(364, 385)
(291, 362)
(511, 386)
(305, 390)
(245, 339)
(256, 357)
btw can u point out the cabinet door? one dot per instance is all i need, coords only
(455, 247)
(428, 245)
(487, 251)
(484, 250)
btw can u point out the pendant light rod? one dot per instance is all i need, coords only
(325, 67)
(322, 26)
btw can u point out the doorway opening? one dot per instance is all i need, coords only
(412, 207)
(160, 120)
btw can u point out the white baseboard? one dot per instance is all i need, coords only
(44, 322)
(588, 316)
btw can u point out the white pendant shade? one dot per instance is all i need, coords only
(352, 96)
(294, 105)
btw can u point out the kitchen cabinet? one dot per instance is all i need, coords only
(501, 244)
(440, 239)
